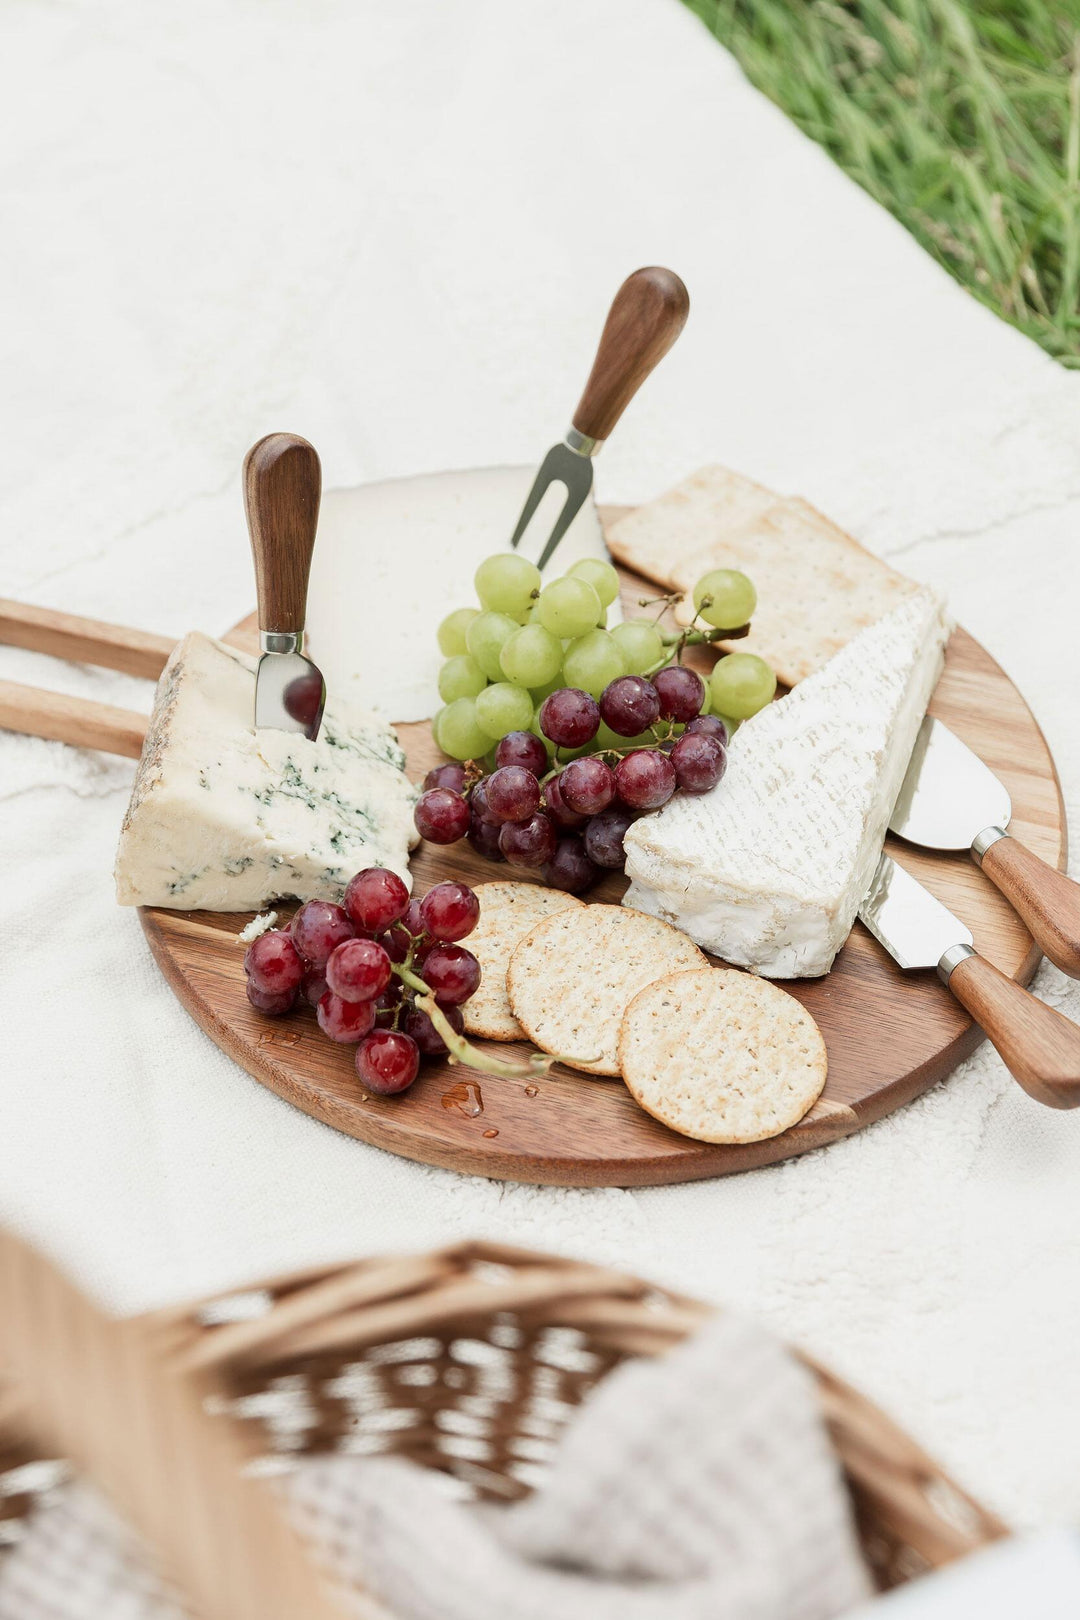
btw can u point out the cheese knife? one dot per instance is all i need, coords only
(647, 315)
(1038, 1045)
(951, 800)
(282, 486)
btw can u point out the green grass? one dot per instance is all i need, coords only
(962, 117)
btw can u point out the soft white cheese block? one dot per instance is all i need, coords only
(224, 818)
(392, 560)
(769, 869)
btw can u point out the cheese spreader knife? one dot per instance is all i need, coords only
(951, 800)
(647, 315)
(282, 488)
(1038, 1045)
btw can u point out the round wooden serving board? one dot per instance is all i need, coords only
(889, 1035)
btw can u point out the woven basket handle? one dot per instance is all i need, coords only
(95, 1393)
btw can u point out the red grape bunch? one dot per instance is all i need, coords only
(384, 973)
(629, 752)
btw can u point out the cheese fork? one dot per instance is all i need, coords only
(1039, 1045)
(647, 315)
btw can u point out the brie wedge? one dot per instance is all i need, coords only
(394, 558)
(769, 869)
(224, 818)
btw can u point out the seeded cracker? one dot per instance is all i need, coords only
(721, 1056)
(508, 911)
(571, 979)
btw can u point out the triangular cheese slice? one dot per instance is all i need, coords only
(769, 869)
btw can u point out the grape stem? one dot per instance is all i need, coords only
(458, 1048)
(678, 640)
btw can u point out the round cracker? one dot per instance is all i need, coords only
(572, 978)
(721, 1056)
(508, 911)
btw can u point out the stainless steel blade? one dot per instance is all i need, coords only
(914, 928)
(289, 693)
(562, 465)
(948, 795)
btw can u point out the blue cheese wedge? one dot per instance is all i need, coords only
(769, 869)
(225, 818)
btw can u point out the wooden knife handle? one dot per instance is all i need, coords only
(1039, 1045)
(54, 715)
(1047, 900)
(83, 641)
(649, 312)
(282, 487)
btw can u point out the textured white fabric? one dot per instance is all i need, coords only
(700, 1486)
(396, 229)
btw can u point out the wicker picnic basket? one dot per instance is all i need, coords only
(468, 1359)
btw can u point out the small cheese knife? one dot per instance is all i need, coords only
(951, 800)
(282, 486)
(1037, 1044)
(648, 313)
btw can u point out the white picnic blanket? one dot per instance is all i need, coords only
(396, 229)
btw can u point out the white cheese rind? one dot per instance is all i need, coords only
(769, 869)
(225, 818)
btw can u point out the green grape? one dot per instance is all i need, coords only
(569, 607)
(732, 725)
(600, 575)
(535, 729)
(539, 693)
(531, 656)
(731, 598)
(740, 685)
(506, 583)
(606, 738)
(451, 632)
(592, 662)
(485, 638)
(460, 734)
(601, 623)
(640, 643)
(504, 707)
(460, 677)
(436, 717)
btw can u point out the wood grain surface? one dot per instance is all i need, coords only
(889, 1035)
(282, 490)
(647, 314)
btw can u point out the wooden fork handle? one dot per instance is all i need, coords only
(282, 489)
(648, 313)
(1046, 899)
(37, 713)
(83, 641)
(1039, 1045)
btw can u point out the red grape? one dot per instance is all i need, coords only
(513, 794)
(318, 927)
(388, 1003)
(387, 1061)
(681, 692)
(587, 785)
(424, 1033)
(630, 705)
(274, 1002)
(450, 911)
(570, 868)
(441, 816)
(604, 837)
(303, 699)
(313, 986)
(452, 972)
(528, 843)
(397, 940)
(451, 775)
(522, 748)
(273, 963)
(344, 1020)
(359, 970)
(557, 807)
(478, 804)
(376, 898)
(645, 779)
(699, 760)
(484, 837)
(709, 725)
(570, 717)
